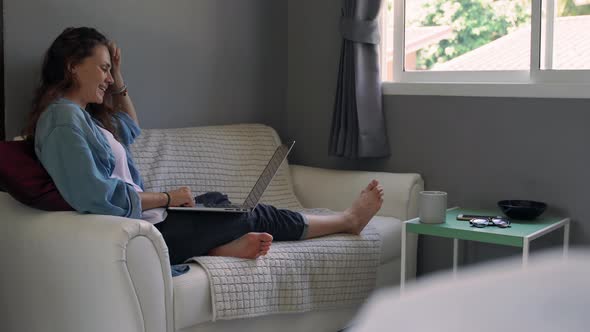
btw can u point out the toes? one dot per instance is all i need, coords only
(372, 185)
(379, 191)
(265, 237)
(263, 250)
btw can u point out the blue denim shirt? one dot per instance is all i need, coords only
(80, 161)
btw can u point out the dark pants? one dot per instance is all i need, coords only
(189, 234)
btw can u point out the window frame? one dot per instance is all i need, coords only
(533, 83)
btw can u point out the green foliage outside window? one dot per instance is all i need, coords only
(569, 8)
(474, 23)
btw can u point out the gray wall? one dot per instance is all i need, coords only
(186, 62)
(479, 150)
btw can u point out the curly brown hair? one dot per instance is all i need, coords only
(70, 48)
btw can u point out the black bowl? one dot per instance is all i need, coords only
(522, 210)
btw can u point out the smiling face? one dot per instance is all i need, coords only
(92, 76)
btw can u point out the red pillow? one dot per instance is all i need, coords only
(23, 177)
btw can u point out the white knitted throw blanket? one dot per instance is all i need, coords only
(295, 276)
(228, 159)
(322, 273)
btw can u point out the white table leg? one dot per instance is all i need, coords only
(402, 277)
(566, 239)
(455, 256)
(525, 252)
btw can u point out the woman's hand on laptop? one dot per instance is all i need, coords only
(181, 197)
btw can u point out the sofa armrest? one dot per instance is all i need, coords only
(65, 271)
(336, 189)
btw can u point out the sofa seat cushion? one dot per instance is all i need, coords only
(390, 230)
(192, 298)
(192, 294)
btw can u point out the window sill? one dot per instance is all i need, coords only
(518, 90)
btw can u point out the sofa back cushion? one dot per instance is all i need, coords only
(25, 179)
(227, 159)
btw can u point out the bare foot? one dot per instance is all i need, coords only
(251, 245)
(365, 207)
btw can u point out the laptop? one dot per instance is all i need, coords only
(255, 194)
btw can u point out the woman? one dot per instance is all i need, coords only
(82, 123)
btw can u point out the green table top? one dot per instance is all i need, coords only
(458, 229)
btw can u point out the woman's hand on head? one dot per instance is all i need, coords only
(181, 197)
(116, 65)
(115, 56)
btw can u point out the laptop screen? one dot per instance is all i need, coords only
(267, 175)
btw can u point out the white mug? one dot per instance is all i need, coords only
(432, 207)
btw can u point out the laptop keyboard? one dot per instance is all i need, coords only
(226, 205)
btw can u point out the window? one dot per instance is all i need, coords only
(565, 35)
(538, 44)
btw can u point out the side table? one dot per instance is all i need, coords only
(520, 234)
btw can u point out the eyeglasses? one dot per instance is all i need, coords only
(483, 222)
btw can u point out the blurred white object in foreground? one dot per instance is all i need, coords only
(551, 294)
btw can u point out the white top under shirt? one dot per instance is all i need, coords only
(122, 173)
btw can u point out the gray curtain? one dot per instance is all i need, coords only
(358, 126)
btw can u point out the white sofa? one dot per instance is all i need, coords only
(68, 272)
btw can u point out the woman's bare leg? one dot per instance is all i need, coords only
(354, 219)
(251, 245)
